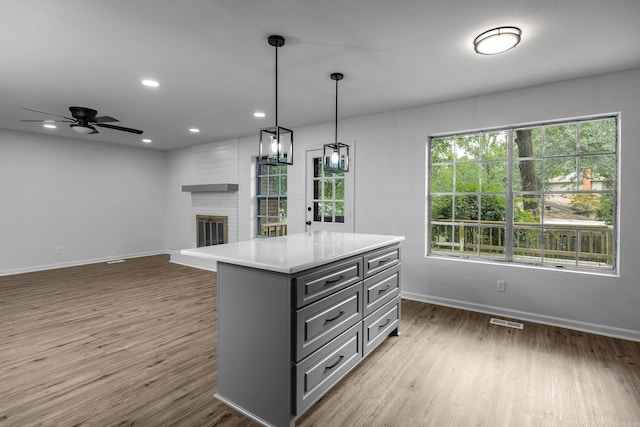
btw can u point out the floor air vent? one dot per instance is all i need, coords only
(507, 323)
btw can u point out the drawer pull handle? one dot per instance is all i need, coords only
(328, 282)
(385, 323)
(385, 289)
(383, 260)
(335, 364)
(336, 317)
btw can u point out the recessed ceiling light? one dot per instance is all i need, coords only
(150, 83)
(259, 115)
(49, 125)
(497, 40)
(194, 130)
(146, 141)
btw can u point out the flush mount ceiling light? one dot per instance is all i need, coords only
(194, 130)
(336, 155)
(259, 115)
(150, 83)
(276, 143)
(497, 40)
(147, 141)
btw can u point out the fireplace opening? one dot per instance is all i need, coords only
(211, 230)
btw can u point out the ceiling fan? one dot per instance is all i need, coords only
(83, 120)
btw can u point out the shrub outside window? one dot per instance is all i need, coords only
(539, 195)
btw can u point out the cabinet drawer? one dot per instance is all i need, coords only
(320, 322)
(316, 374)
(381, 288)
(325, 280)
(377, 327)
(381, 260)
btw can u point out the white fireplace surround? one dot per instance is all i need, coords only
(215, 204)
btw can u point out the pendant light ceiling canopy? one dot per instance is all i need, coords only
(276, 142)
(336, 155)
(497, 40)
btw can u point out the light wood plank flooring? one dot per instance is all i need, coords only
(133, 344)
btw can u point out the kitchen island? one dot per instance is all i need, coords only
(296, 313)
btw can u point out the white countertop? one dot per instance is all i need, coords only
(295, 252)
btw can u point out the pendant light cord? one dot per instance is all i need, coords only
(336, 111)
(276, 89)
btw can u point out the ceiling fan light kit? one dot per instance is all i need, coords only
(336, 155)
(276, 142)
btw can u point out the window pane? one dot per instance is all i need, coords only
(442, 149)
(495, 146)
(441, 238)
(560, 140)
(494, 177)
(283, 185)
(597, 172)
(598, 136)
(527, 245)
(468, 148)
(466, 238)
(340, 212)
(442, 179)
(560, 247)
(527, 210)
(339, 189)
(327, 191)
(441, 208)
(528, 143)
(492, 242)
(467, 177)
(596, 247)
(527, 175)
(560, 174)
(493, 208)
(317, 167)
(466, 207)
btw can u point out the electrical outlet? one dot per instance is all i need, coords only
(58, 250)
(501, 285)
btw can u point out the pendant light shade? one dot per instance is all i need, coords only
(336, 155)
(276, 142)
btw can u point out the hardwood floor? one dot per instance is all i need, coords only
(134, 344)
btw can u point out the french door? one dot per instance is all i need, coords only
(329, 196)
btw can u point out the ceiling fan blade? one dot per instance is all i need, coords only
(44, 112)
(48, 121)
(104, 119)
(136, 131)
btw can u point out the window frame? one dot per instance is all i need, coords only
(279, 197)
(514, 191)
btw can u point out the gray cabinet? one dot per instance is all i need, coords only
(285, 339)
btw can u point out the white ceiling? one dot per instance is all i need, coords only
(216, 68)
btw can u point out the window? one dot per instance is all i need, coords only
(540, 195)
(328, 194)
(272, 200)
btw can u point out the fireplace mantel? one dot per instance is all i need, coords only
(210, 188)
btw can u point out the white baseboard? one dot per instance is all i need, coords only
(76, 263)
(593, 328)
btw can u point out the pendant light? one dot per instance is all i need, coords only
(276, 142)
(336, 155)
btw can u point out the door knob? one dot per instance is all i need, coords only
(308, 222)
(309, 208)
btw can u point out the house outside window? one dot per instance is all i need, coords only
(538, 195)
(272, 200)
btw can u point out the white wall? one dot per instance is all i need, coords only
(390, 199)
(95, 201)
